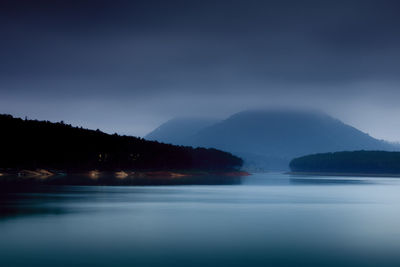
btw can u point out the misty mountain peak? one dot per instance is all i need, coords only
(270, 138)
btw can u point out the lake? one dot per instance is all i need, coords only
(265, 220)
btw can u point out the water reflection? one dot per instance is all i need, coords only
(328, 181)
(58, 194)
(37, 200)
(118, 178)
(267, 220)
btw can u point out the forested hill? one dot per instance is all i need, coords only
(31, 144)
(368, 162)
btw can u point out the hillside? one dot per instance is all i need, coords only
(360, 162)
(31, 144)
(269, 139)
(179, 131)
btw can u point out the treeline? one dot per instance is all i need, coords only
(349, 162)
(31, 144)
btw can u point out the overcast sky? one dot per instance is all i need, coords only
(127, 66)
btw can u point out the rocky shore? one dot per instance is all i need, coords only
(120, 177)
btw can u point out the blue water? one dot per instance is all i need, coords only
(267, 220)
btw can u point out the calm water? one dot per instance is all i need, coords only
(268, 220)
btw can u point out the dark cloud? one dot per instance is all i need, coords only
(149, 60)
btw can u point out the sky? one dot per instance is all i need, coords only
(128, 66)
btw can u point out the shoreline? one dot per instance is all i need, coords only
(120, 174)
(26, 179)
(345, 174)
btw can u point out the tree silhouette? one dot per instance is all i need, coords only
(349, 162)
(42, 144)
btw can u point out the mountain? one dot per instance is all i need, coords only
(269, 139)
(179, 131)
(30, 144)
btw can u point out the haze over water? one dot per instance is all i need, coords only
(267, 220)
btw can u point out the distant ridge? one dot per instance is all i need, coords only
(269, 139)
